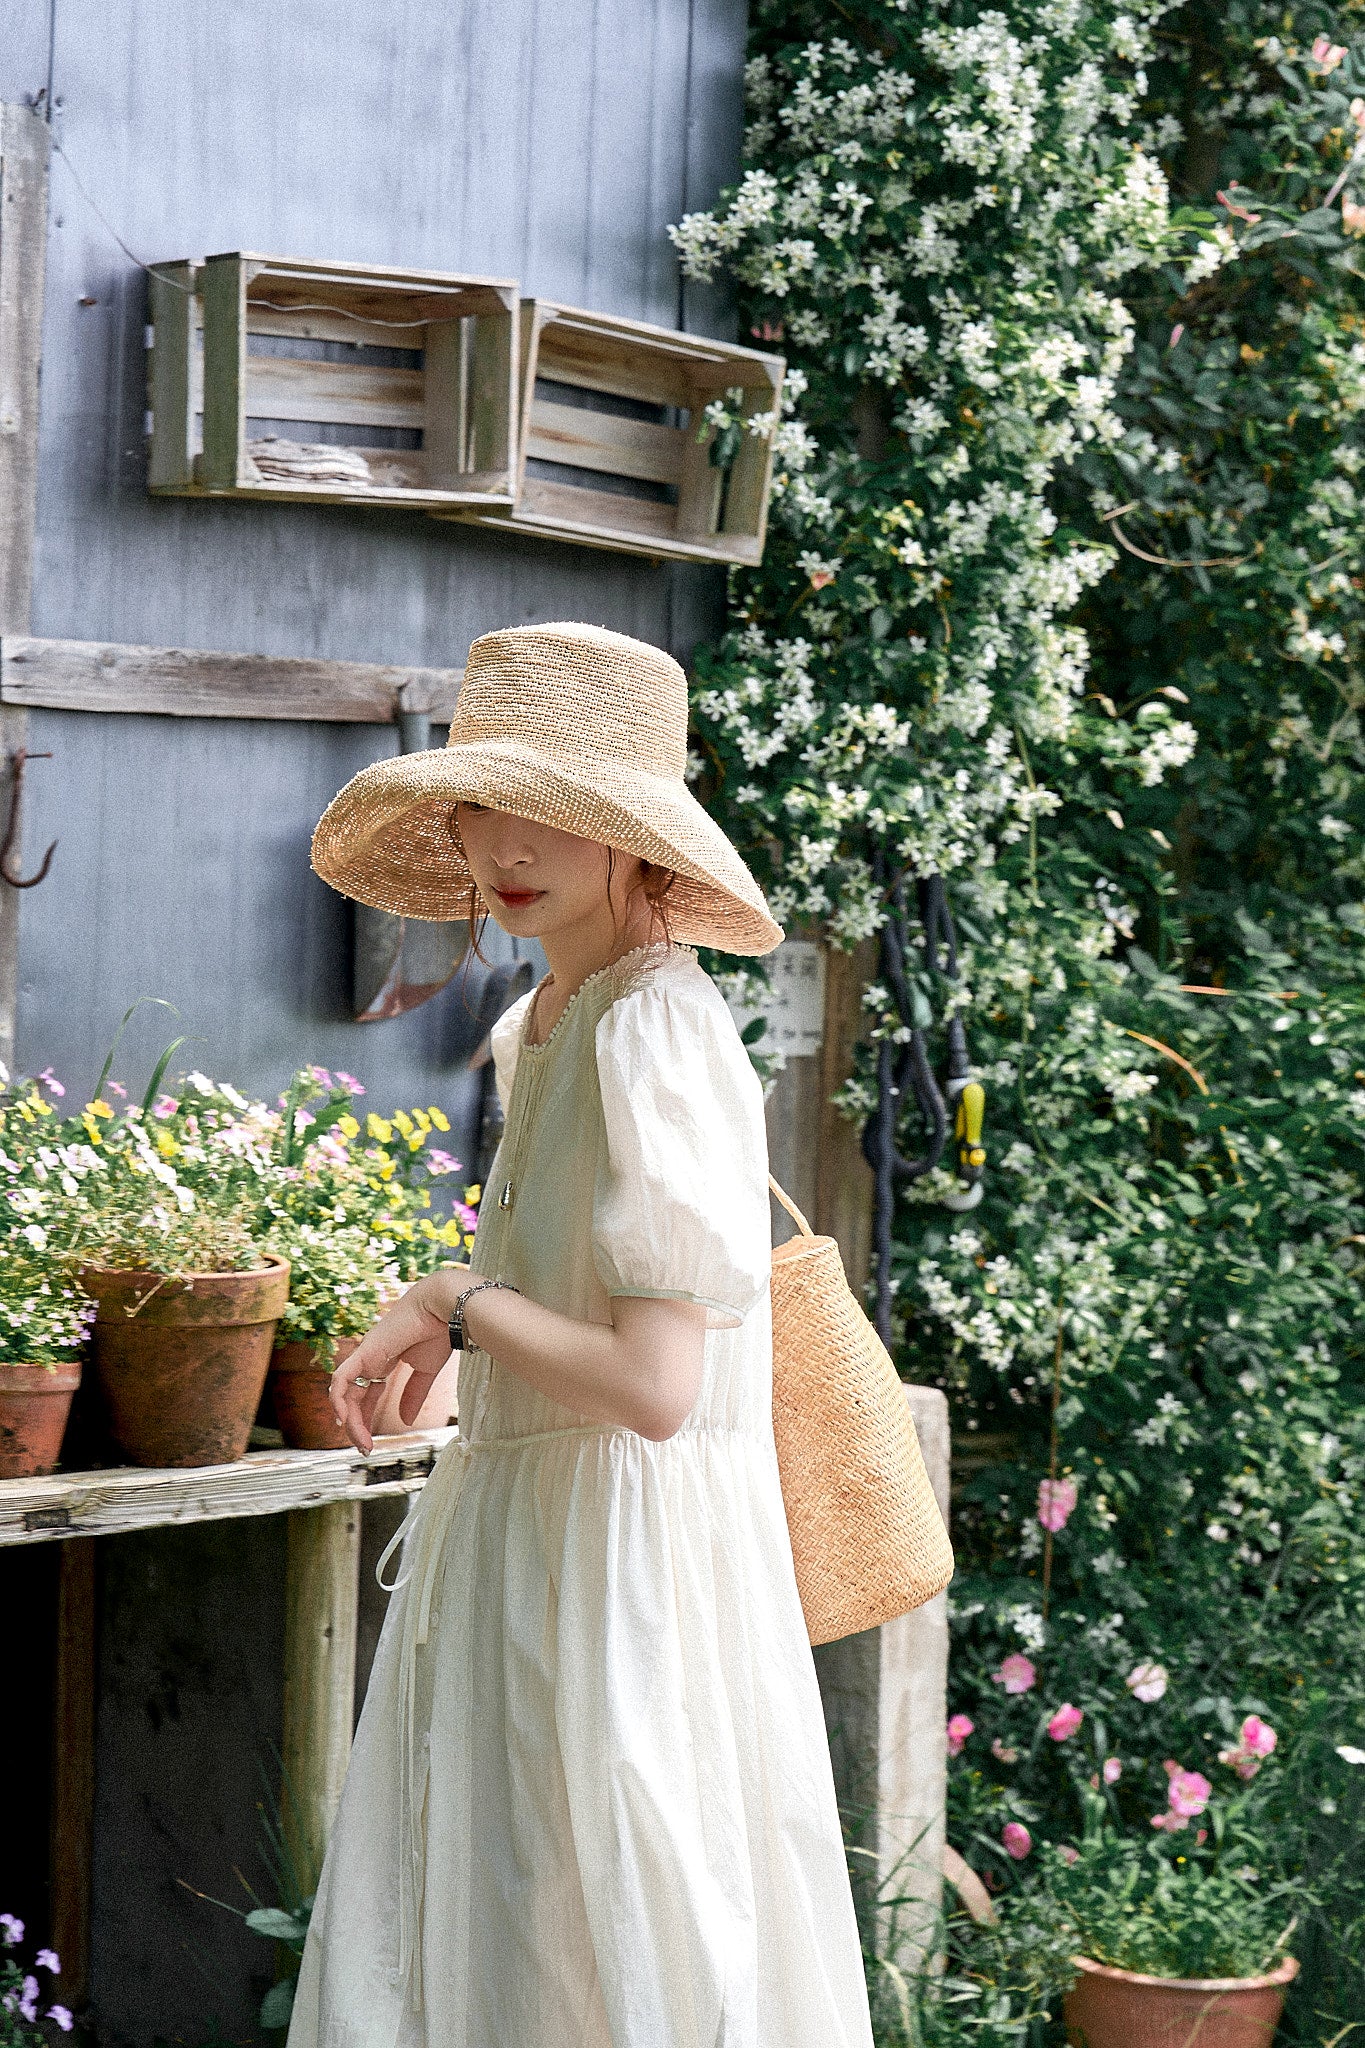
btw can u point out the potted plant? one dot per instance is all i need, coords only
(44, 1318)
(1180, 1937)
(187, 1297)
(351, 1213)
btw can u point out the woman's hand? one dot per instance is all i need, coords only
(413, 1332)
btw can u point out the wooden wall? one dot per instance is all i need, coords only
(548, 143)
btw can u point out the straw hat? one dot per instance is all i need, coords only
(574, 727)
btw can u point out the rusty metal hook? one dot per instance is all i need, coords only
(17, 762)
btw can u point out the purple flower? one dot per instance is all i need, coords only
(28, 1999)
(50, 1082)
(62, 2016)
(11, 1929)
(48, 1959)
(348, 1081)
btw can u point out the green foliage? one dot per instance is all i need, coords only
(1034, 350)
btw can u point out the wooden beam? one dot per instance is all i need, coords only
(25, 147)
(181, 682)
(73, 1769)
(25, 151)
(322, 1604)
(111, 1502)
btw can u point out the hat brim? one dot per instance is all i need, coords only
(386, 839)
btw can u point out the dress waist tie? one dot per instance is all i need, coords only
(422, 1538)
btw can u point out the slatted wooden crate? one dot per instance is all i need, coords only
(272, 378)
(614, 451)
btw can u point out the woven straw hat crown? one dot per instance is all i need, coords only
(571, 726)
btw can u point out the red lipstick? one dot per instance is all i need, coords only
(517, 899)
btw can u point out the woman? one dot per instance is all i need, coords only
(590, 1803)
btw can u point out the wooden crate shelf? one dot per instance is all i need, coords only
(333, 383)
(120, 1498)
(610, 449)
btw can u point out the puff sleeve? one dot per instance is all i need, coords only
(681, 1203)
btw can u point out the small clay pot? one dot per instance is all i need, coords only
(1112, 2008)
(35, 1401)
(181, 1363)
(300, 1376)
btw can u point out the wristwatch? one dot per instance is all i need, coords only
(458, 1341)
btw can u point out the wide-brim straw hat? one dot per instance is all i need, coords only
(570, 726)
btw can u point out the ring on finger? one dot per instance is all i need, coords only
(381, 1382)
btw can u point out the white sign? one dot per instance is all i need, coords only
(795, 1010)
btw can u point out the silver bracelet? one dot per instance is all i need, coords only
(456, 1324)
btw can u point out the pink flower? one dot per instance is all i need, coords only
(1327, 54)
(1017, 1840)
(117, 1088)
(1169, 1821)
(348, 1081)
(1147, 1682)
(1056, 1502)
(1188, 1793)
(61, 2014)
(820, 577)
(165, 1105)
(1352, 216)
(48, 1959)
(1113, 1770)
(1176, 333)
(1258, 1740)
(959, 1728)
(50, 1082)
(1067, 1853)
(1016, 1673)
(1258, 1736)
(439, 1162)
(1065, 1722)
(1004, 1752)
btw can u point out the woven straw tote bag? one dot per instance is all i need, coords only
(866, 1533)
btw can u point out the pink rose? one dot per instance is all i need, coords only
(1004, 1752)
(1147, 1682)
(1017, 1840)
(1065, 1722)
(959, 1728)
(1113, 1770)
(1327, 54)
(1016, 1673)
(1068, 1854)
(1056, 1502)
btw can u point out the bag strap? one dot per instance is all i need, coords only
(789, 1205)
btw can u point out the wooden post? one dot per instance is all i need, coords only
(73, 1768)
(884, 1691)
(25, 149)
(322, 1600)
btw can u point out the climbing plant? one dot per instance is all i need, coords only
(1063, 601)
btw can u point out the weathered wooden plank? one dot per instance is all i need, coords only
(71, 1831)
(223, 287)
(350, 394)
(576, 511)
(176, 376)
(183, 682)
(25, 145)
(110, 1503)
(604, 441)
(322, 1605)
(25, 148)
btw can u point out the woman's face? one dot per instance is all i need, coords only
(538, 881)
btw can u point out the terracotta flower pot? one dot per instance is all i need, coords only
(35, 1401)
(181, 1363)
(1121, 2009)
(300, 1374)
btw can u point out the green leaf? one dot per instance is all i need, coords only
(276, 1925)
(278, 2004)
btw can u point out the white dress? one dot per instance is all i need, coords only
(590, 1803)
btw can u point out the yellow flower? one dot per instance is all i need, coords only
(423, 1122)
(99, 1108)
(377, 1128)
(439, 1118)
(92, 1129)
(474, 1195)
(348, 1127)
(166, 1145)
(404, 1123)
